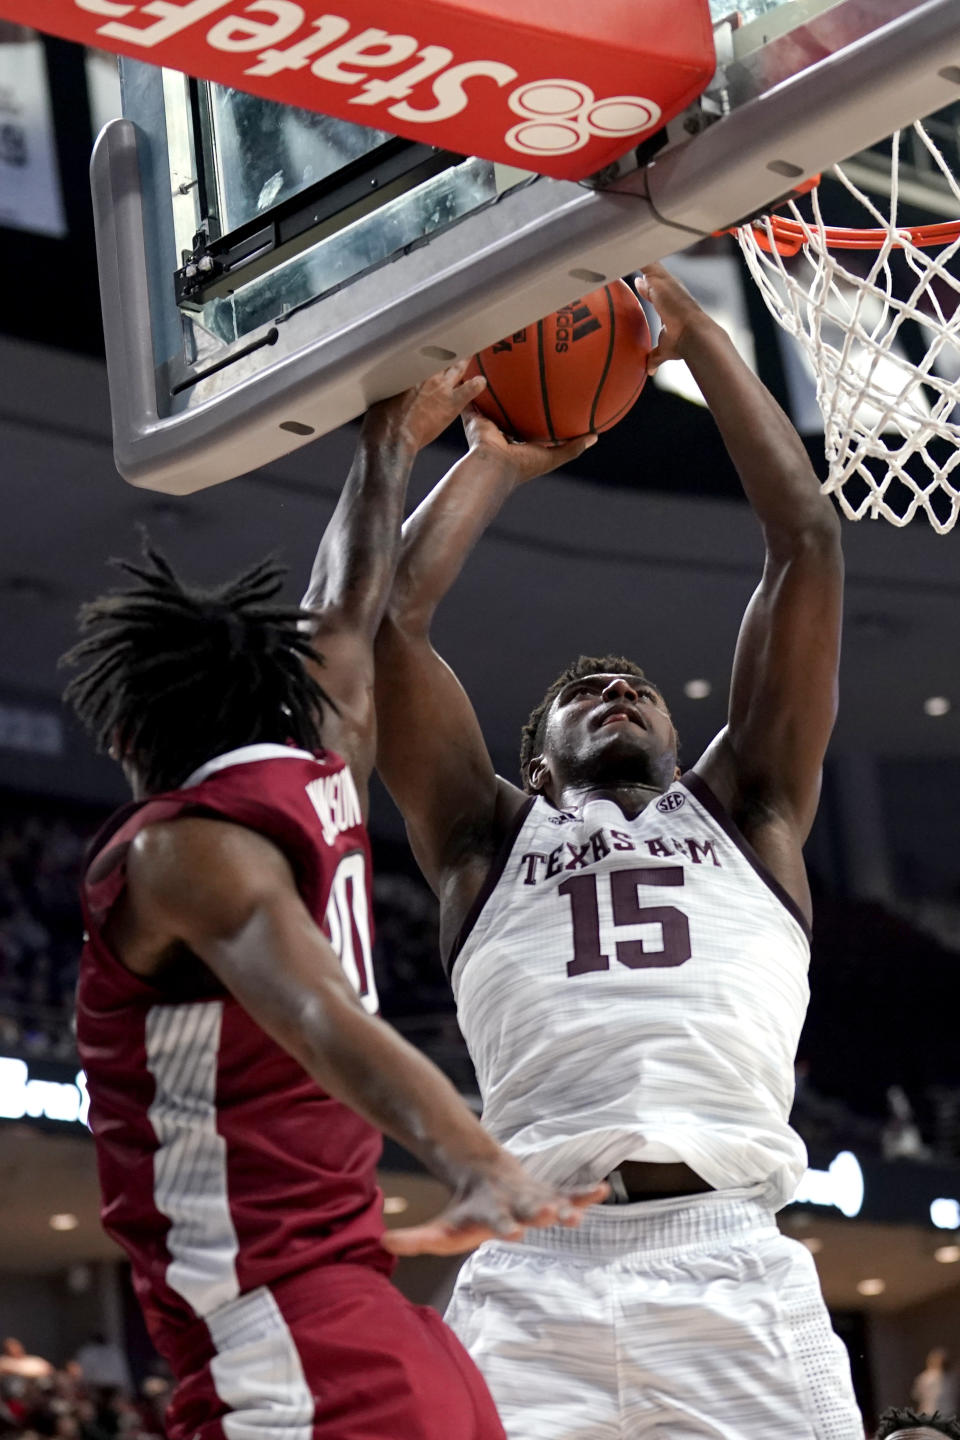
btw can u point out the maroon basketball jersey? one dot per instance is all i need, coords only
(223, 1166)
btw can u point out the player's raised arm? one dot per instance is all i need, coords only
(249, 924)
(783, 697)
(354, 565)
(431, 753)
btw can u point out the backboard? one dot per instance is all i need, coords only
(268, 272)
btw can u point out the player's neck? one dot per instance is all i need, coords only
(631, 797)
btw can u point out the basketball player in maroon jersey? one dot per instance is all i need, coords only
(629, 951)
(226, 1012)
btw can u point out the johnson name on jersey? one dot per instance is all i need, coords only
(635, 990)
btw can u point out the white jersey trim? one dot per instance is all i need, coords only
(245, 755)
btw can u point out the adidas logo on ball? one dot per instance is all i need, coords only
(573, 325)
(574, 373)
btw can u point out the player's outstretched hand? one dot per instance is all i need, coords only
(418, 416)
(677, 309)
(524, 459)
(498, 1205)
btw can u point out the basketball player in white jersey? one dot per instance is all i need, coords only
(628, 947)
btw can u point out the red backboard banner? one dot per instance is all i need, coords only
(559, 86)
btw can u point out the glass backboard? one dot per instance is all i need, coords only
(269, 272)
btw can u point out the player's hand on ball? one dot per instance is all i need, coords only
(418, 416)
(494, 1206)
(677, 309)
(524, 459)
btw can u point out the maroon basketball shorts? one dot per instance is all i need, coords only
(334, 1354)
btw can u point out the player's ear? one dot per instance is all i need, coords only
(537, 774)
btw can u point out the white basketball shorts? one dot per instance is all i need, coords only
(668, 1318)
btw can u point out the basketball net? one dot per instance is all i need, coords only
(891, 424)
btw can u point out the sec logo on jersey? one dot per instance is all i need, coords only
(671, 801)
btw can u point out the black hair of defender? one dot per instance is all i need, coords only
(173, 674)
(531, 736)
(893, 1420)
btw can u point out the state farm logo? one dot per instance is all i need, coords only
(389, 74)
(560, 116)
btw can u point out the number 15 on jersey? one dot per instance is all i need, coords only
(666, 938)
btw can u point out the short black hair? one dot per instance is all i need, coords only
(175, 674)
(893, 1420)
(531, 736)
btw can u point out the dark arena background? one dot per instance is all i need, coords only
(643, 547)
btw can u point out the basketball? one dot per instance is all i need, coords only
(575, 373)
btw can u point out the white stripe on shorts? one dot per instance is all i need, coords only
(257, 1371)
(692, 1318)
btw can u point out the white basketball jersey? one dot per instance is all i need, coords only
(634, 990)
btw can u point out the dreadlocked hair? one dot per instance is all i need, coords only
(531, 736)
(893, 1420)
(174, 674)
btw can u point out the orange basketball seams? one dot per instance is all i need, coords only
(577, 371)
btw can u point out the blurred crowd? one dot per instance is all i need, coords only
(40, 929)
(90, 1398)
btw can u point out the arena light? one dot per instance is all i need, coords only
(22, 1096)
(947, 1254)
(936, 705)
(840, 1187)
(697, 689)
(64, 1221)
(945, 1213)
(872, 1287)
(813, 1243)
(394, 1204)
